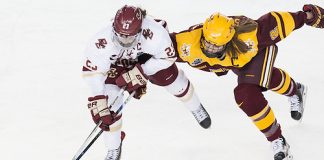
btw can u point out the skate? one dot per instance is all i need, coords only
(202, 117)
(281, 149)
(297, 102)
(115, 154)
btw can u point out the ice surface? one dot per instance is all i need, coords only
(43, 113)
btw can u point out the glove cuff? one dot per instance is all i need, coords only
(97, 103)
(97, 97)
(141, 70)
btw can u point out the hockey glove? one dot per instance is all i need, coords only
(318, 15)
(133, 79)
(140, 92)
(101, 112)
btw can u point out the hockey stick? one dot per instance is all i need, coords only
(95, 129)
(85, 146)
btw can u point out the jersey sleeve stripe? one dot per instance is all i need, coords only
(279, 24)
(287, 21)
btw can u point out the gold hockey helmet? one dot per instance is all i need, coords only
(218, 29)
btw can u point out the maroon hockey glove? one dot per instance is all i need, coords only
(318, 15)
(101, 112)
(140, 92)
(133, 79)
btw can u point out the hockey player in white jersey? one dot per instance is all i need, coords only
(131, 51)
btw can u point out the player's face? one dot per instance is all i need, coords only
(212, 50)
(126, 40)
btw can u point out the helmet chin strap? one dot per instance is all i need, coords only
(219, 55)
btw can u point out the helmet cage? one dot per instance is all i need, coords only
(126, 40)
(212, 50)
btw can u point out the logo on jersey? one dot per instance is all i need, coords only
(185, 48)
(274, 33)
(170, 51)
(250, 44)
(126, 63)
(127, 53)
(112, 73)
(147, 33)
(101, 43)
(196, 62)
(90, 66)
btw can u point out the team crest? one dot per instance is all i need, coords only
(147, 33)
(250, 44)
(112, 73)
(185, 48)
(274, 33)
(101, 43)
(196, 62)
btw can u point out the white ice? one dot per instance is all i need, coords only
(43, 113)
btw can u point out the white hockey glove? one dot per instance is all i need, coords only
(101, 112)
(133, 79)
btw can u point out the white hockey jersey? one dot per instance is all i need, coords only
(102, 52)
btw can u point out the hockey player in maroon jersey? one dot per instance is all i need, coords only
(248, 48)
